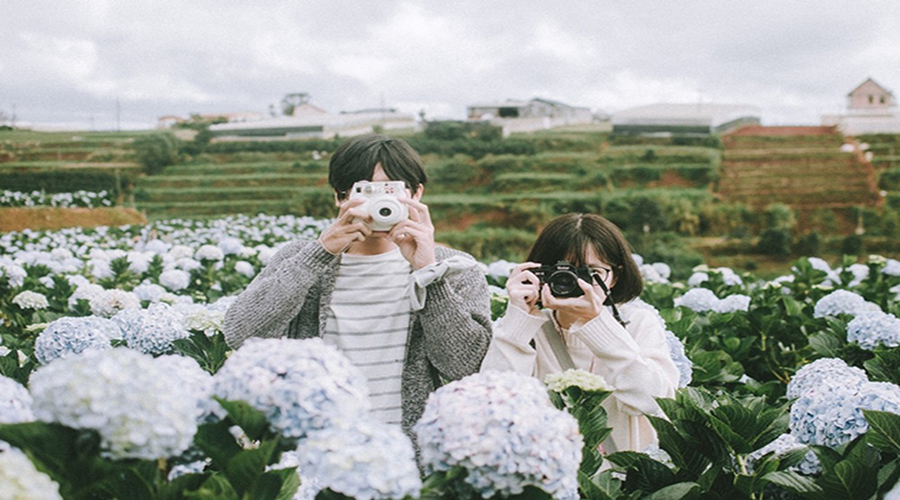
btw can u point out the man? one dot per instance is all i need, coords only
(406, 312)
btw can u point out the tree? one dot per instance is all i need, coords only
(291, 101)
(156, 151)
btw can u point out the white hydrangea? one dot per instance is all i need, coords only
(638, 259)
(499, 270)
(70, 335)
(20, 479)
(231, 246)
(138, 406)
(697, 279)
(151, 330)
(891, 267)
(84, 291)
(585, 380)
(111, 302)
(265, 254)
(839, 302)
(209, 252)
(662, 269)
(196, 380)
(729, 277)
(178, 252)
(245, 268)
(682, 362)
(872, 328)
(651, 275)
(16, 274)
(362, 459)
(175, 279)
(300, 385)
(821, 370)
(150, 292)
(733, 303)
(201, 318)
(502, 429)
(819, 265)
(15, 402)
(698, 299)
(31, 300)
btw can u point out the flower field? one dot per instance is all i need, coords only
(116, 383)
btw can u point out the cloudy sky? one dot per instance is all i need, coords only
(68, 62)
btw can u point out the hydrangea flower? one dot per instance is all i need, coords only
(839, 302)
(733, 303)
(111, 302)
(31, 300)
(150, 292)
(15, 402)
(820, 265)
(362, 459)
(872, 328)
(638, 259)
(662, 269)
(501, 428)
(499, 270)
(197, 380)
(891, 267)
(151, 330)
(175, 279)
(729, 277)
(682, 362)
(781, 445)
(231, 246)
(70, 335)
(85, 291)
(209, 252)
(585, 380)
(245, 268)
(651, 275)
(698, 299)
(201, 318)
(831, 370)
(300, 385)
(831, 415)
(139, 407)
(19, 478)
(14, 273)
(309, 487)
(697, 279)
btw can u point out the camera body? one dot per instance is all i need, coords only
(562, 278)
(382, 202)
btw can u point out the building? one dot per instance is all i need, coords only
(871, 109)
(310, 122)
(684, 119)
(528, 116)
(169, 121)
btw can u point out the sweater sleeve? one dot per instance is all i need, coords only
(456, 321)
(511, 349)
(276, 295)
(635, 362)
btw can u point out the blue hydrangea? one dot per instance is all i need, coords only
(151, 330)
(825, 370)
(839, 302)
(196, 380)
(362, 459)
(872, 328)
(685, 366)
(502, 429)
(300, 385)
(831, 414)
(698, 299)
(140, 408)
(781, 445)
(67, 336)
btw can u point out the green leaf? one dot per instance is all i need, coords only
(849, 480)
(216, 487)
(217, 442)
(179, 487)
(792, 481)
(248, 418)
(884, 430)
(246, 467)
(290, 482)
(677, 491)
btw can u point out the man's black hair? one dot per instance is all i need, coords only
(355, 160)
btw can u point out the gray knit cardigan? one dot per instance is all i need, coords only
(447, 339)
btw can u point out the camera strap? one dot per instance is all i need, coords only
(558, 346)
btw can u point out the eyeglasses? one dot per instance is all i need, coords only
(600, 273)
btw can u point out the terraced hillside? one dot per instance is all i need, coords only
(802, 167)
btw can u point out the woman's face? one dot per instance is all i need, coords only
(593, 261)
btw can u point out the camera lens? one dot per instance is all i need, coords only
(385, 212)
(563, 283)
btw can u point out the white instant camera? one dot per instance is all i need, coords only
(381, 202)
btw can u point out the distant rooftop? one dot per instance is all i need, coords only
(685, 114)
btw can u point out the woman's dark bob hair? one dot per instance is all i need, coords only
(355, 160)
(567, 238)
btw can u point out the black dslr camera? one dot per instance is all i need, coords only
(563, 278)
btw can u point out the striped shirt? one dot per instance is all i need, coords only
(368, 320)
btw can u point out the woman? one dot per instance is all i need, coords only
(596, 331)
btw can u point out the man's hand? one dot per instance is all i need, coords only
(350, 226)
(415, 235)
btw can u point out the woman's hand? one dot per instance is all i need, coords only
(349, 227)
(583, 308)
(523, 287)
(415, 235)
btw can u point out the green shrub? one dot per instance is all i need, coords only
(487, 244)
(852, 245)
(809, 244)
(774, 241)
(890, 180)
(156, 151)
(116, 181)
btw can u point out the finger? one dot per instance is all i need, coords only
(350, 204)
(522, 267)
(360, 227)
(419, 209)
